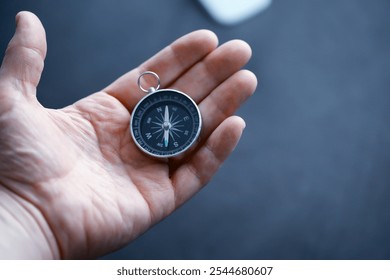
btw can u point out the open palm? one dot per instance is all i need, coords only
(72, 182)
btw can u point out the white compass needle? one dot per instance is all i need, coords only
(166, 126)
(166, 114)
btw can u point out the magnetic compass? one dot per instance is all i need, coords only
(166, 122)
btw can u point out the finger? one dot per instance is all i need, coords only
(169, 64)
(189, 178)
(24, 57)
(225, 100)
(206, 75)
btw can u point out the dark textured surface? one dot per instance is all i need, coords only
(311, 176)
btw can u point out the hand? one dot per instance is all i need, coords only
(72, 182)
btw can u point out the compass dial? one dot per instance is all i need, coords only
(165, 123)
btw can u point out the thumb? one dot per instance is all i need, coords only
(24, 58)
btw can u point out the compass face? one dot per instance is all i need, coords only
(165, 123)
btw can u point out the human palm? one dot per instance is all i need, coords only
(72, 182)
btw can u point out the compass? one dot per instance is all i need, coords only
(166, 122)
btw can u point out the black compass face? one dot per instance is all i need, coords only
(165, 123)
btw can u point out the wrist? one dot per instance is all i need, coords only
(24, 232)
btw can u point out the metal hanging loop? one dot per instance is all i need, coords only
(151, 89)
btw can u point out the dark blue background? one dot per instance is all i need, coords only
(311, 176)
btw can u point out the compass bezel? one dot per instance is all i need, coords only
(139, 113)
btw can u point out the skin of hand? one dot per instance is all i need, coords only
(72, 182)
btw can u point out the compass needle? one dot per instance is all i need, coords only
(166, 126)
(166, 138)
(166, 114)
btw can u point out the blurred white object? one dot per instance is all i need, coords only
(229, 12)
